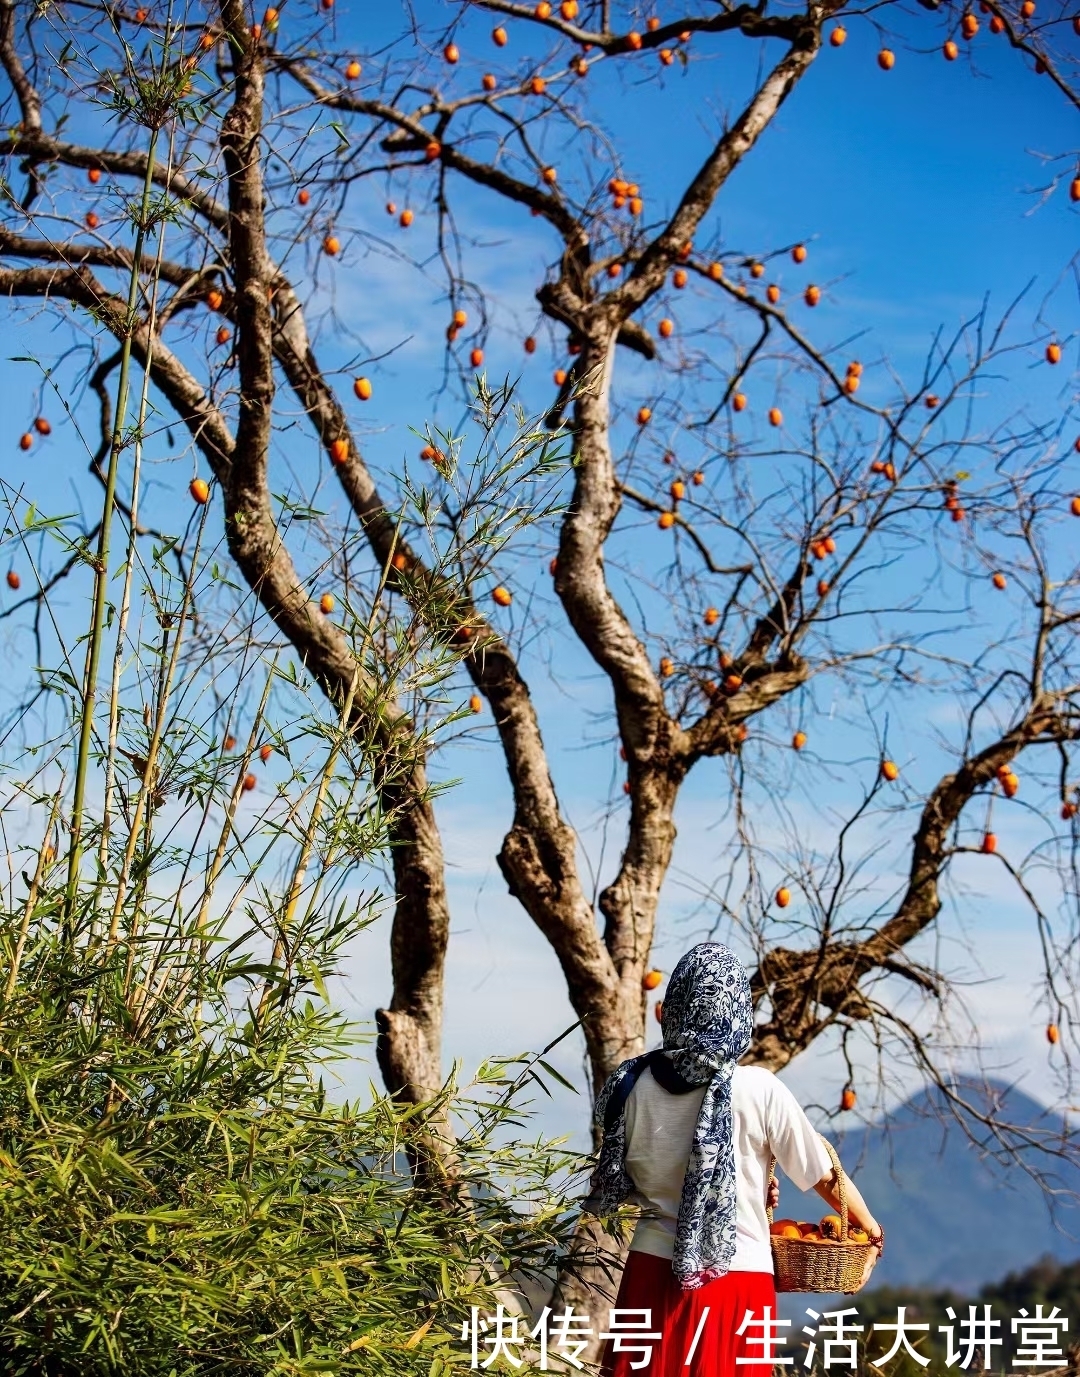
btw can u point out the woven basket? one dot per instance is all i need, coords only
(828, 1267)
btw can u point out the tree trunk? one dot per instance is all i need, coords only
(409, 1048)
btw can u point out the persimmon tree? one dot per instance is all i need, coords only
(786, 495)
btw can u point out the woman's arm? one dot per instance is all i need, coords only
(858, 1212)
(801, 1151)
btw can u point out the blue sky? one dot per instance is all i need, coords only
(918, 192)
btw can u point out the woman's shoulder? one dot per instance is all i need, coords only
(752, 1089)
(760, 1086)
(754, 1078)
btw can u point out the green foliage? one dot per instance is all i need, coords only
(181, 1196)
(181, 1193)
(1046, 1282)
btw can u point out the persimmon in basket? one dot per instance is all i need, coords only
(827, 1230)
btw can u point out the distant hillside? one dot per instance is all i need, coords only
(953, 1217)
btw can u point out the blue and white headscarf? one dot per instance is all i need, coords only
(707, 1021)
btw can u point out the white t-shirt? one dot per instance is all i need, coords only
(769, 1122)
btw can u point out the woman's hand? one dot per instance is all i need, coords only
(772, 1195)
(877, 1239)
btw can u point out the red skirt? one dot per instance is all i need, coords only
(711, 1314)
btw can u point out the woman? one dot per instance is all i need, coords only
(688, 1136)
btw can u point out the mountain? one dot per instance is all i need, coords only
(953, 1215)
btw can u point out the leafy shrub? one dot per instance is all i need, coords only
(184, 1198)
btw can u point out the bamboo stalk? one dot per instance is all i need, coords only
(152, 996)
(218, 862)
(149, 771)
(308, 843)
(369, 630)
(101, 563)
(31, 902)
(175, 916)
(129, 567)
(330, 857)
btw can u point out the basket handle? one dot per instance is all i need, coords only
(841, 1187)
